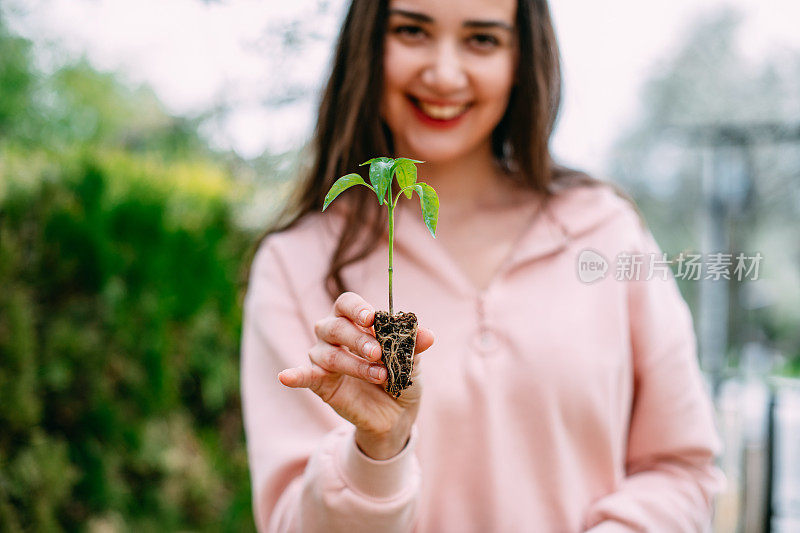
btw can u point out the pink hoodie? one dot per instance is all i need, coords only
(549, 403)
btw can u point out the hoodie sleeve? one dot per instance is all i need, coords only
(306, 471)
(670, 474)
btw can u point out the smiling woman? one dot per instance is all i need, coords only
(550, 404)
(451, 72)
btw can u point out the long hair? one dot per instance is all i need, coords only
(349, 129)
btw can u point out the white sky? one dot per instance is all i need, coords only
(193, 53)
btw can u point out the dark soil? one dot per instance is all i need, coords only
(397, 335)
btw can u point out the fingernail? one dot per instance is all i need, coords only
(364, 316)
(377, 372)
(371, 349)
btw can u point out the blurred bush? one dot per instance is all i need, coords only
(119, 329)
(119, 311)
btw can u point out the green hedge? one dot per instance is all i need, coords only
(119, 333)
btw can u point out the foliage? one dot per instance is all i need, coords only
(119, 311)
(75, 104)
(382, 172)
(119, 329)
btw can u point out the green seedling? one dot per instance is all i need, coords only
(382, 170)
(395, 333)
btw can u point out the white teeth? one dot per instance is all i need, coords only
(442, 112)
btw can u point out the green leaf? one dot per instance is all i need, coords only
(406, 160)
(406, 172)
(380, 175)
(341, 185)
(429, 201)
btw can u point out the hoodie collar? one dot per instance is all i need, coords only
(569, 214)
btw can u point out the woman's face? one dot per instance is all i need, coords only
(448, 71)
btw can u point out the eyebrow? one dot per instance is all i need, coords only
(420, 17)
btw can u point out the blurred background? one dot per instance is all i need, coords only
(144, 145)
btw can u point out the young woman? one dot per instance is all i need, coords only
(545, 403)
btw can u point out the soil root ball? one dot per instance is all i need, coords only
(397, 335)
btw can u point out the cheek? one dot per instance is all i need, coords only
(497, 80)
(395, 78)
(398, 66)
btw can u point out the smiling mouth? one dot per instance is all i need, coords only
(440, 112)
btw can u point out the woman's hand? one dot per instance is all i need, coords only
(346, 372)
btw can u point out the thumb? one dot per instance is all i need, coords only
(425, 339)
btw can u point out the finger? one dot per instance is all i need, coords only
(351, 305)
(341, 331)
(336, 359)
(302, 376)
(311, 377)
(425, 339)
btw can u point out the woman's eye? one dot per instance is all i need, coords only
(484, 41)
(410, 32)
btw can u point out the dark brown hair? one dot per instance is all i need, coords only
(350, 131)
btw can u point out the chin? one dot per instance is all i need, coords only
(432, 152)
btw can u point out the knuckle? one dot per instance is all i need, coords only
(319, 327)
(349, 303)
(344, 296)
(380, 427)
(338, 328)
(313, 353)
(330, 358)
(343, 299)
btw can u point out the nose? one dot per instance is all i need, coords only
(445, 72)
